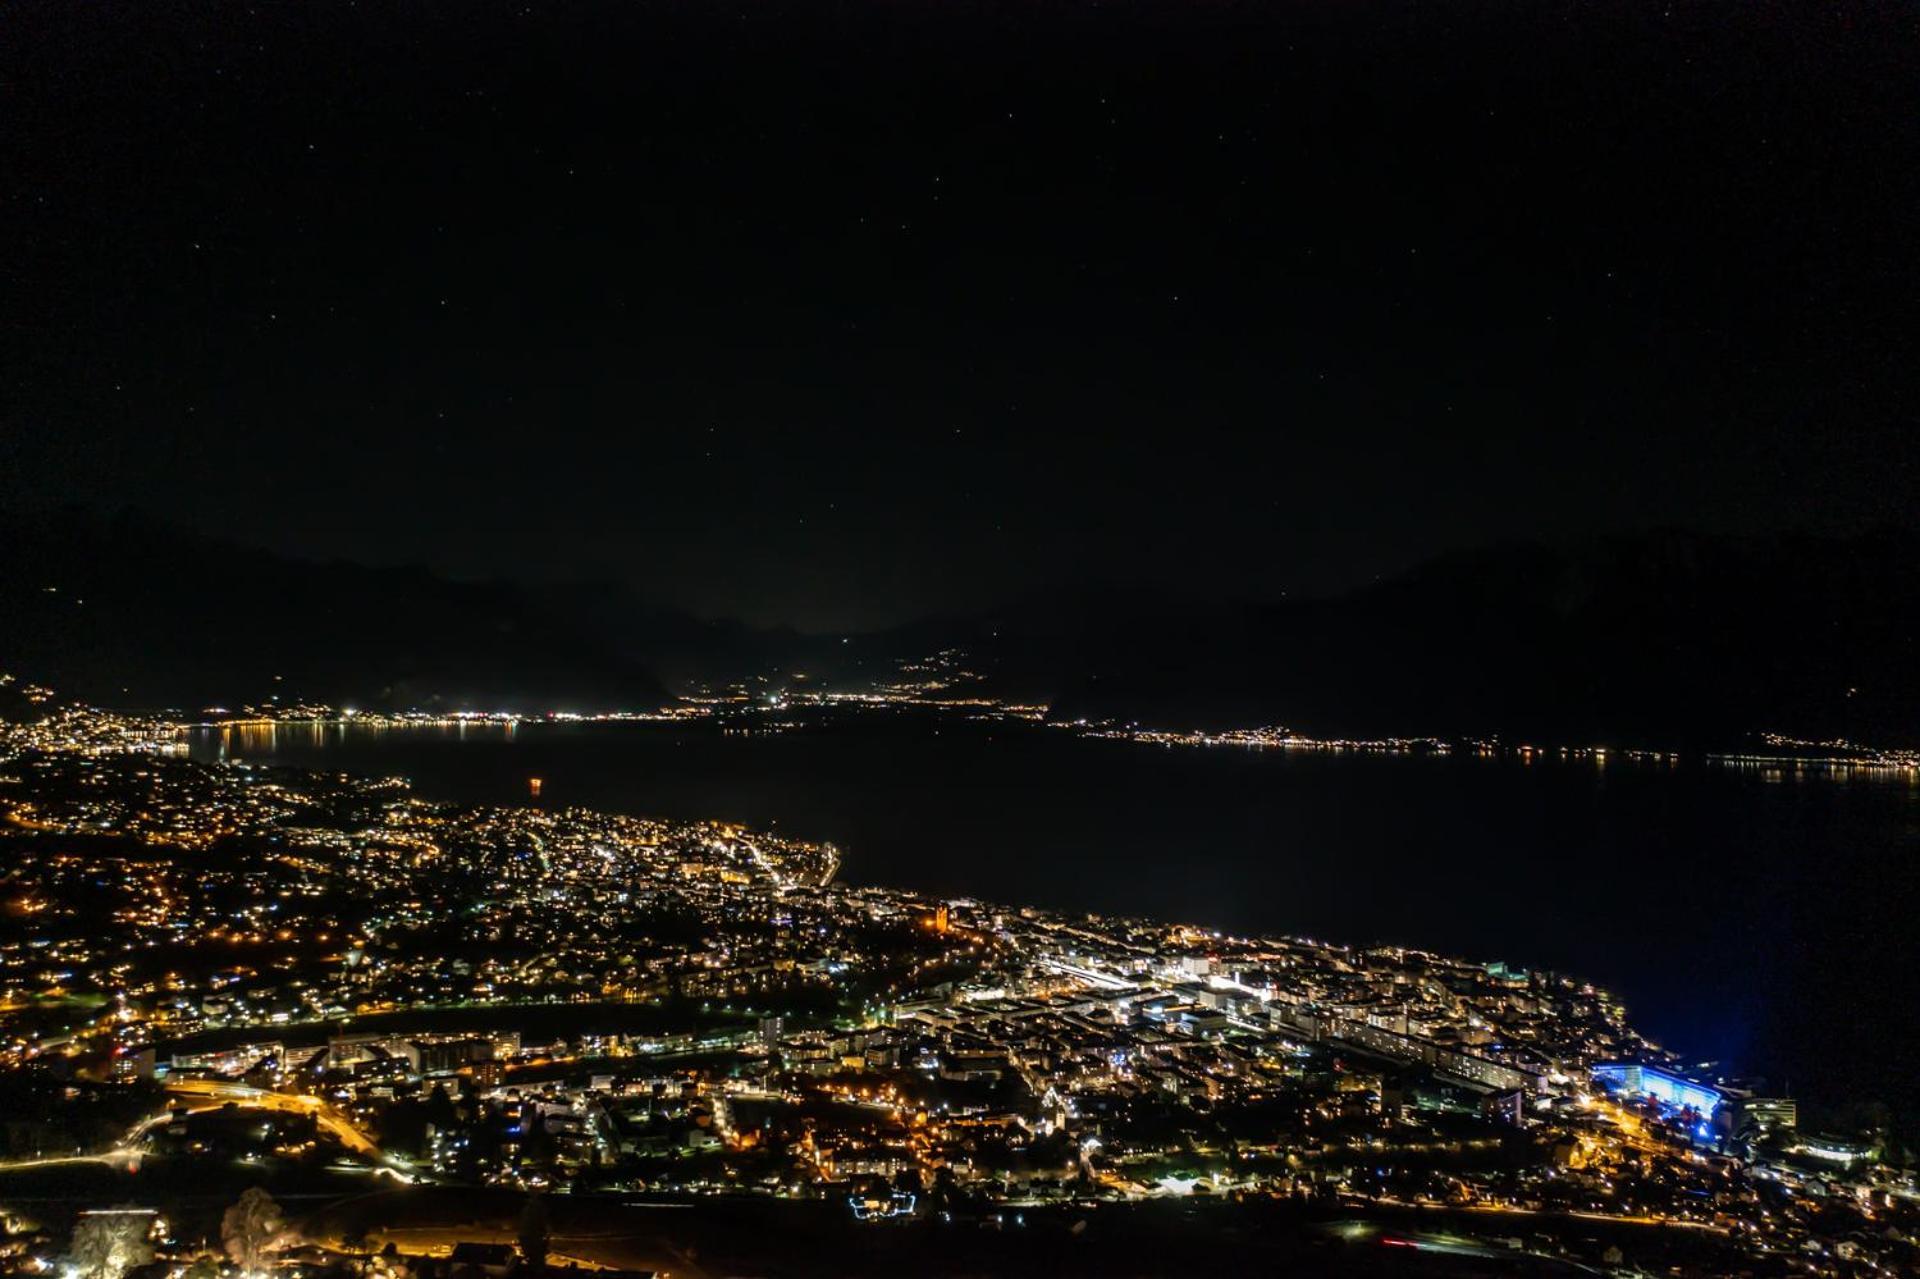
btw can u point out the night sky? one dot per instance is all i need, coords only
(840, 313)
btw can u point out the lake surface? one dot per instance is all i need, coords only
(1762, 916)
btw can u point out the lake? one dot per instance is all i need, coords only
(1760, 916)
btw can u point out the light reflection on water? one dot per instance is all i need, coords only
(254, 739)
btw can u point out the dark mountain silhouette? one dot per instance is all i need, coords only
(1669, 639)
(135, 612)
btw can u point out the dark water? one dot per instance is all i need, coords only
(1758, 916)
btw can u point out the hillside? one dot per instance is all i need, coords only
(136, 612)
(1669, 639)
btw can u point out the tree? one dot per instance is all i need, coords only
(250, 1229)
(106, 1245)
(440, 1109)
(535, 1227)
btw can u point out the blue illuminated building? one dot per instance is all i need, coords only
(1672, 1091)
(876, 1208)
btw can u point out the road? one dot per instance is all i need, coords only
(330, 1121)
(636, 1249)
(210, 1094)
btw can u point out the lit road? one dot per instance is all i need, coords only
(609, 1249)
(212, 1094)
(128, 1152)
(1508, 1210)
(330, 1120)
(118, 1155)
(1104, 980)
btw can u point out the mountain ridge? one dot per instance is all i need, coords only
(1667, 639)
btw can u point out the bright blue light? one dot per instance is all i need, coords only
(1670, 1090)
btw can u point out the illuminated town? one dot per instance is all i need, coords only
(872, 640)
(943, 683)
(326, 981)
